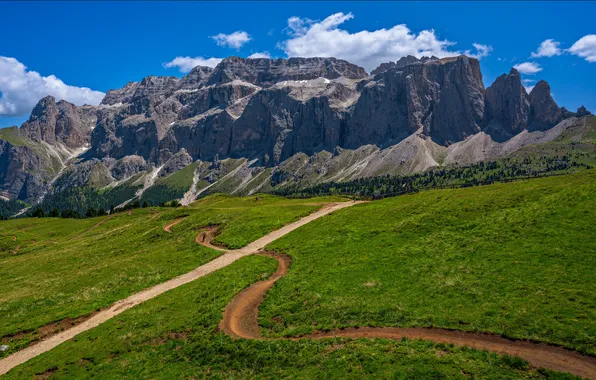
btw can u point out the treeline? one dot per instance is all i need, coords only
(80, 201)
(10, 207)
(161, 193)
(471, 175)
(91, 212)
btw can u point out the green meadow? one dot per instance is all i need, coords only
(513, 259)
(52, 269)
(175, 336)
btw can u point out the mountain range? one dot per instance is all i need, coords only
(254, 125)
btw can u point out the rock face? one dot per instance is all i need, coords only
(269, 112)
(402, 62)
(61, 122)
(545, 112)
(266, 72)
(582, 111)
(507, 105)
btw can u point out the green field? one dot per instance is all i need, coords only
(513, 259)
(54, 269)
(175, 336)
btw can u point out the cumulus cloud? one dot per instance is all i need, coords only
(547, 48)
(368, 49)
(263, 54)
(528, 68)
(21, 89)
(481, 51)
(234, 40)
(585, 47)
(185, 64)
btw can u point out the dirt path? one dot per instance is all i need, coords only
(168, 227)
(205, 236)
(97, 225)
(119, 307)
(241, 320)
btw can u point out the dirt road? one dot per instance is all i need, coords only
(119, 307)
(241, 320)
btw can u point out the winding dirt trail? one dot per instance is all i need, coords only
(205, 236)
(168, 227)
(241, 320)
(119, 307)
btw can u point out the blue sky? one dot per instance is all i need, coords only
(102, 46)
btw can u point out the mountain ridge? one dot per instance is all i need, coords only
(405, 117)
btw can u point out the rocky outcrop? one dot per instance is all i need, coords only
(22, 171)
(61, 122)
(442, 98)
(545, 112)
(178, 161)
(507, 105)
(582, 111)
(123, 95)
(195, 79)
(266, 72)
(128, 166)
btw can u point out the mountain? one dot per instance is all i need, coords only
(251, 125)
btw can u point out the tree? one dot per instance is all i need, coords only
(54, 213)
(38, 213)
(145, 204)
(111, 209)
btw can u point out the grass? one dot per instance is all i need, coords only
(61, 271)
(175, 336)
(513, 259)
(171, 187)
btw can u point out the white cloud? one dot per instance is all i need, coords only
(529, 88)
(481, 51)
(263, 54)
(185, 64)
(324, 38)
(585, 47)
(528, 68)
(21, 89)
(547, 48)
(234, 40)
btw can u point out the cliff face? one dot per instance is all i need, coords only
(545, 112)
(269, 110)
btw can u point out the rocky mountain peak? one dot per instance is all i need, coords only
(582, 111)
(60, 122)
(545, 112)
(507, 105)
(195, 78)
(45, 108)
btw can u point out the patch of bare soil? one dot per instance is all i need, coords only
(241, 320)
(46, 331)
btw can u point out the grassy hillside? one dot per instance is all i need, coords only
(53, 269)
(514, 259)
(175, 336)
(171, 187)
